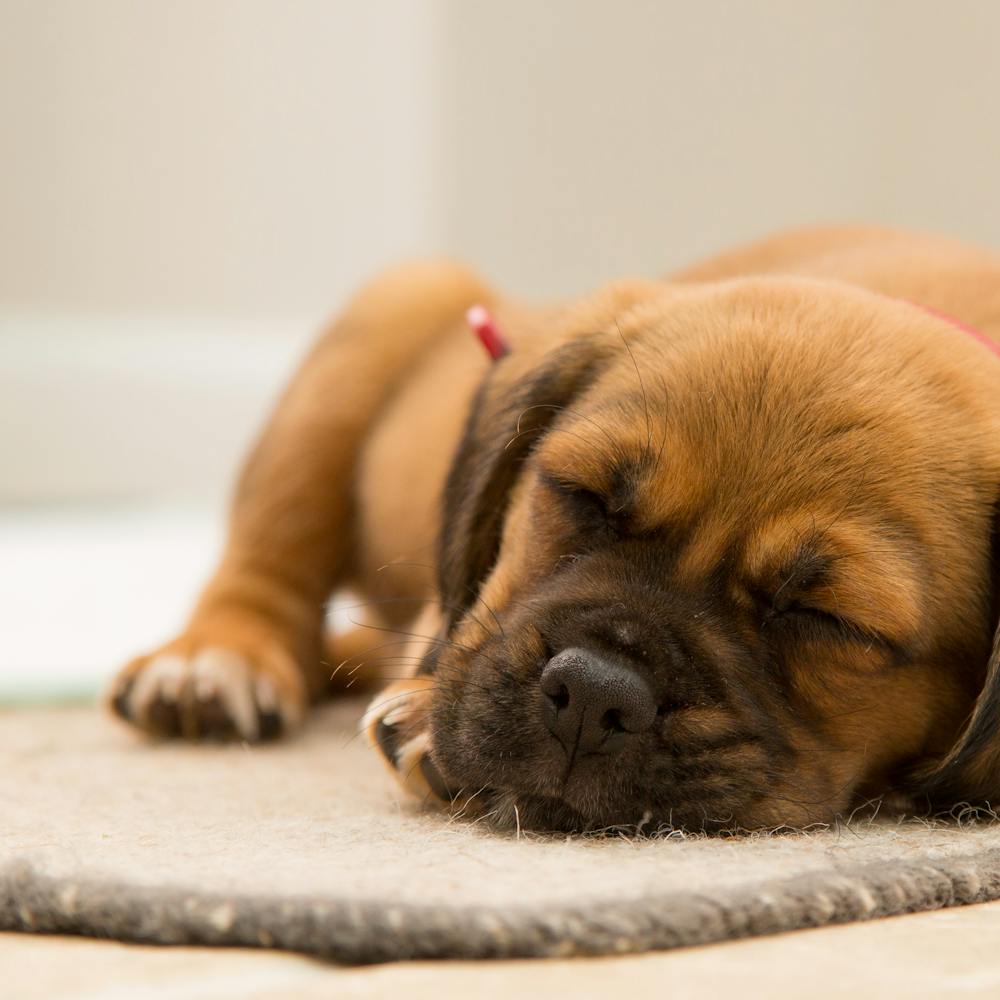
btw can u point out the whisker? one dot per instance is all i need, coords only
(428, 638)
(642, 386)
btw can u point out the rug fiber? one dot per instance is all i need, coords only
(304, 846)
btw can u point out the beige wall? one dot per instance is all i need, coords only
(173, 172)
(233, 157)
(593, 138)
(256, 157)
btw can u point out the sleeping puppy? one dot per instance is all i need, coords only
(714, 552)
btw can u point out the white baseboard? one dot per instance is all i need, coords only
(133, 408)
(85, 589)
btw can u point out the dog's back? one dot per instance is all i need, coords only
(943, 274)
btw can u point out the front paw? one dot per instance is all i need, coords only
(220, 687)
(398, 726)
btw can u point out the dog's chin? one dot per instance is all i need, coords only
(514, 811)
(507, 809)
(542, 814)
(538, 796)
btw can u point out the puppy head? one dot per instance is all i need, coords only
(726, 564)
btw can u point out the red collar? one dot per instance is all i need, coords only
(964, 327)
(497, 346)
(482, 324)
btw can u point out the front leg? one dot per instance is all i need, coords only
(251, 657)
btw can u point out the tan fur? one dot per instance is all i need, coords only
(344, 486)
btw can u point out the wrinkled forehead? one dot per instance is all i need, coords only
(860, 560)
(746, 474)
(678, 451)
(742, 411)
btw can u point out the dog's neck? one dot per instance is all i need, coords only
(496, 345)
(964, 327)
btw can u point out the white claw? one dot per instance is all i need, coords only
(396, 715)
(226, 674)
(267, 696)
(163, 676)
(190, 681)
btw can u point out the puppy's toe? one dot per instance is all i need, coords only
(398, 726)
(151, 697)
(224, 695)
(210, 693)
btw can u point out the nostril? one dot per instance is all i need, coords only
(559, 698)
(612, 721)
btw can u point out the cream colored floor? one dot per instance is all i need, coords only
(941, 954)
(947, 953)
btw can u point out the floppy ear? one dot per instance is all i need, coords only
(509, 413)
(507, 418)
(970, 773)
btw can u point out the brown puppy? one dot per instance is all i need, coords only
(719, 551)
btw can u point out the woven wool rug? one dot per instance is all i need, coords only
(304, 846)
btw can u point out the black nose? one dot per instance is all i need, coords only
(591, 703)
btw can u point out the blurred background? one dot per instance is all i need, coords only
(188, 188)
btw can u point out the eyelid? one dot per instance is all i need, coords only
(594, 510)
(617, 516)
(845, 626)
(570, 488)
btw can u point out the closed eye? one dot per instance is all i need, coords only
(591, 510)
(580, 498)
(809, 619)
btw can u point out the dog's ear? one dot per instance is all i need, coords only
(970, 773)
(509, 415)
